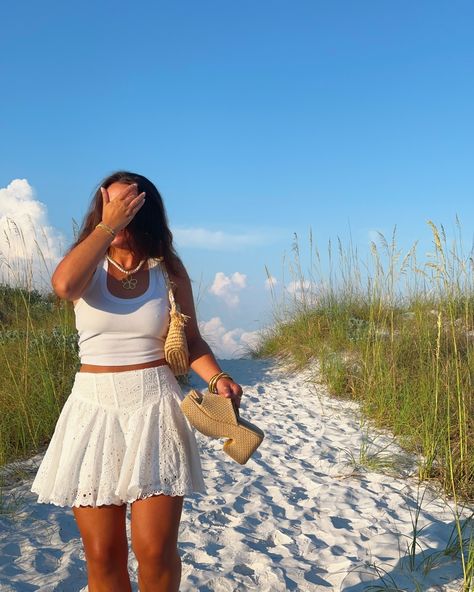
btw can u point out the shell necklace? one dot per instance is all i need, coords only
(128, 282)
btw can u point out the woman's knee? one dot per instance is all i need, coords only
(157, 554)
(154, 530)
(103, 533)
(106, 557)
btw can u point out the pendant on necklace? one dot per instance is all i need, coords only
(129, 283)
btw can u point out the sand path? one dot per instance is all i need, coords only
(297, 516)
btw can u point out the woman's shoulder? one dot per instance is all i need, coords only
(179, 267)
(177, 271)
(174, 266)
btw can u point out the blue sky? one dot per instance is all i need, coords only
(256, 120)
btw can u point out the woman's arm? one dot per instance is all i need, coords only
(74, 271)
(201, 358)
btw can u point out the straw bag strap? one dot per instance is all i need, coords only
(168, 282)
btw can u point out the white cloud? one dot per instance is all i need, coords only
(227, 344)
(270, 282)
(303, 291)
(29, 246)
(228, 288)
(219, 240)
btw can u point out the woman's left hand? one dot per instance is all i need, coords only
(230, 389)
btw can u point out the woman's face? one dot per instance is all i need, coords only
(123, 239)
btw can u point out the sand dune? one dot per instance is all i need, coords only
(297, 516)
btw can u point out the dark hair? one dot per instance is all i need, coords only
(149, 227)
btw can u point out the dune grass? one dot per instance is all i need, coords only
(397, 336)
(38, 353)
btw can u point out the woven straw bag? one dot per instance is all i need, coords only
(176, 346)
(218, 417)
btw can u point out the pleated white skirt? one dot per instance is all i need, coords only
(121, 436)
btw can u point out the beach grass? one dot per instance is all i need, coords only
(38, 349)
(395, 334)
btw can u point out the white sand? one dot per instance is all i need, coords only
(295, 517)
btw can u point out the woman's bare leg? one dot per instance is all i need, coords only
(154, 530)
(104, 537)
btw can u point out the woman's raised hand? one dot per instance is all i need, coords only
(120, 211)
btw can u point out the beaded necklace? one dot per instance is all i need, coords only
(128, 282)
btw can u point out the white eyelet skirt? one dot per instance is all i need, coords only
(121, 436)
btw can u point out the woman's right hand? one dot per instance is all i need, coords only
(119, 212)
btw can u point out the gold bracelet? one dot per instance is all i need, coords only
(107, 228)
(212, 386)
(212, 382)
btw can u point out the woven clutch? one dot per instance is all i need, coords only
(176, 346)
(218, 417)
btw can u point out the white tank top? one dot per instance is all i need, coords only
(116, 331)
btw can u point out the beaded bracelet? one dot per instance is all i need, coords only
(107, 228)
(212, 385)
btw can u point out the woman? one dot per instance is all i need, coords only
(121, 436)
